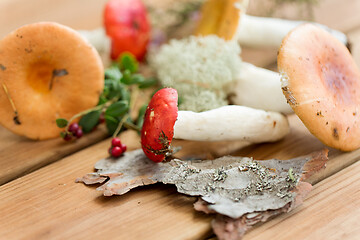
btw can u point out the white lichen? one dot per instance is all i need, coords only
(199, 68)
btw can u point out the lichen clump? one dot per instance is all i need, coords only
(199, 68)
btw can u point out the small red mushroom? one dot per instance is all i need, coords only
(163, 121)
(158, 127)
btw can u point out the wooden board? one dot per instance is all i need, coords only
(19, 12)
(331, 211)
(47, 204)
(19, 155)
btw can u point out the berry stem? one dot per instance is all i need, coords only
(98, 107)
(121, 123)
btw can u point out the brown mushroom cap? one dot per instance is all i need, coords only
(322, 84)
(50, 72)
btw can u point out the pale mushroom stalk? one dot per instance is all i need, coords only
(269, 32)
(258, 88)
(231, 123)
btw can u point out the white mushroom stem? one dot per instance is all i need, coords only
(258, 88)
(269, 32)
(231, 123)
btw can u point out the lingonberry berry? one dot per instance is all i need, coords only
(123, 147)
(79, 133)
(73, 128)
(115, 142)
(116, 151)
(102, 118)
(67, 137)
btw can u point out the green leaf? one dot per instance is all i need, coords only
(113, 72)
(89, 121)
(117, 109)
(127, 61)
(61, 122)
(125, 94)
(141, 114)
(102, 100)
(114, 90)
(137, 79)
(148, 83)
(62, 134)
(126, 78)
(111, 124)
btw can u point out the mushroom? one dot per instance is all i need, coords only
(321, 83)
(47, 71)
(163, 121)
(227, 19)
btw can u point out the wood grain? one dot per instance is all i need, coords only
(19, 155)
(18, 12)
(47, 204)
(331, 211)
(79, 14)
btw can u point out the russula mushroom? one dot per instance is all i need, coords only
(48, 71)
(163, 121)
(227, 19)
(321, 83)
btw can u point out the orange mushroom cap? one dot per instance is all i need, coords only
(322, 84)
(47, 71)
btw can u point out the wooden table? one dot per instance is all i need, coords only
(40, 200)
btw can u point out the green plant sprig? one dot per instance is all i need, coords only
(121, 89)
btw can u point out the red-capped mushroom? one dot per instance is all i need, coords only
(321, 83)
(163, 121)
(158, 127)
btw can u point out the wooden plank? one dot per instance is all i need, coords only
(19, 155)
(331, 211)
(19, 12)
(47, 204)
(79, 14)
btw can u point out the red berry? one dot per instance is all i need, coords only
(67, 137)
(79, 133)
(102, 118)
(123, 147)
(73, 128)
(116, 142)
(116, 151)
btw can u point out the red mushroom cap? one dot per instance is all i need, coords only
(158, 127)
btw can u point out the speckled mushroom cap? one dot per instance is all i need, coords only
(322, 84)
(49, 72)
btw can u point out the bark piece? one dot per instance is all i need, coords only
(242, 191)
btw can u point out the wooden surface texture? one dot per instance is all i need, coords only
(39, 198)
